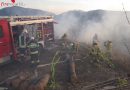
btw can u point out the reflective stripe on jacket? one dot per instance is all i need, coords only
(36, 52)
(33, 48)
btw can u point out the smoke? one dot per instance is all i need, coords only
(108, 25)
(66, 24)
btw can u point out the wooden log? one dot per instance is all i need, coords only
(25, 85)
(18, 80)
(32, 83)
(43, 82)
(73, 76)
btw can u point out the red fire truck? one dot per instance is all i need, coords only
(11, 28)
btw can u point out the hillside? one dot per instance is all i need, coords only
(11, 11)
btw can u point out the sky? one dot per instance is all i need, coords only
(59, 6)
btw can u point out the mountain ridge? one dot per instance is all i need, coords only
(21, 11)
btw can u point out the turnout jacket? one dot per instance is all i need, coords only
(33, 47)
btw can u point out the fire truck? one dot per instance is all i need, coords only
(12, 33)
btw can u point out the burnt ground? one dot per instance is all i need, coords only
(87, 72)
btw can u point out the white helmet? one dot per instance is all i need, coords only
(32, 38)
(25, 30)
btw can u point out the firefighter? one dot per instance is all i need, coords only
(108, 46)
(77, 47)
(23, 45)
(95, 49)
(95, 52)
(34, 51)
(72, 47)
(64, 38)
(95, 39)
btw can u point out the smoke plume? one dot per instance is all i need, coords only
(82, 26)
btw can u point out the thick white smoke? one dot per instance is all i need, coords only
(113, 26)
(65, 24)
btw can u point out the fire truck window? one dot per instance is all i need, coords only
(1, 32)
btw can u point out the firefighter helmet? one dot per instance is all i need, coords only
(25, 31)
(32, 38)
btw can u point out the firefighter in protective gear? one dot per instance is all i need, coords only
(108, 46)
(23, 44)
(95, 39)
(95, 49)
(77, 46)
(34, 51)
(72, 47)
(95, 52)
(64, 38)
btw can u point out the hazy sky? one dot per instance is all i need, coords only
(58, 6)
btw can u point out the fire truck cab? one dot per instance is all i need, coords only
(17, 30)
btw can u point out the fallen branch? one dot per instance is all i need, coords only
(43, 82)
(73, 75)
